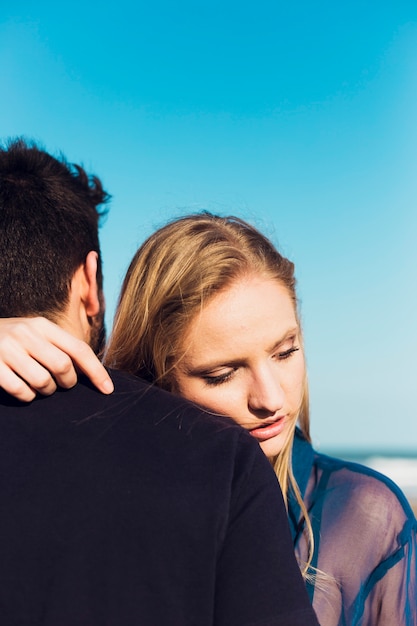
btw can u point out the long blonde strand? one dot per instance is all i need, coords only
(282, 465)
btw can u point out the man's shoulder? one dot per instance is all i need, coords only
(134, 404)
(143, 396)
(139, 427)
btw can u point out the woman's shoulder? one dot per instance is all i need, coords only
(364, 524)
(368, 495)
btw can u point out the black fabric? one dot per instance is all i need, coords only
(139, 509)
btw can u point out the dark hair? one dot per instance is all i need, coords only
(48, 224)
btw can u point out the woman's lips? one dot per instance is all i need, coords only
(269, 430)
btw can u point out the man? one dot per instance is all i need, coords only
(133, 508)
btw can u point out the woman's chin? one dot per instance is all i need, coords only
(272, 447)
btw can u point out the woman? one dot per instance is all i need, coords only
(208, 310)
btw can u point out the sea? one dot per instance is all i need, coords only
(400, 467)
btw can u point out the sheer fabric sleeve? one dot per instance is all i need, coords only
(366, 546)
(390, 597)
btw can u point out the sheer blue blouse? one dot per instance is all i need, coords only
(365, 541)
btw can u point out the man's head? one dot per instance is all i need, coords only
(49, 247)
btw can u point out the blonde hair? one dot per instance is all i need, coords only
(171, 277)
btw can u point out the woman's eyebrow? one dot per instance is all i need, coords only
(290, 334)
(209, 367)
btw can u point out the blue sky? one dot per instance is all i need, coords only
(300, 117)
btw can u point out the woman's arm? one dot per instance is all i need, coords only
(36, 355)
(392, 598)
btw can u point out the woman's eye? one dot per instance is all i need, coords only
(219, 379)
(287, 353)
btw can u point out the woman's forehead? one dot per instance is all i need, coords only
(250, 306)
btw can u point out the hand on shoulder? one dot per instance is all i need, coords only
(36, 355)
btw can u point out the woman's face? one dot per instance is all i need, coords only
(243, 359)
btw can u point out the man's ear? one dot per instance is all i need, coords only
(90, 291)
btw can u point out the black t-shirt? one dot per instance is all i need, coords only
(138, 509)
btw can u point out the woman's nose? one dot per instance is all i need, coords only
(266, 395)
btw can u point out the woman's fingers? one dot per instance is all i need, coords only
(36, 355)
(86, 361)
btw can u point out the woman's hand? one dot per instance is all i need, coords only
(36, 355)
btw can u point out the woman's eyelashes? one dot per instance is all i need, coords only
(218, 379)
(286, 354)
